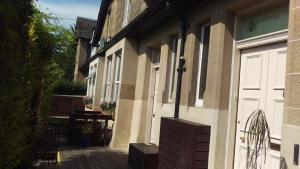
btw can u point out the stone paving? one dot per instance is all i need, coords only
(94, 158)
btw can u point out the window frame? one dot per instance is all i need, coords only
(198, 101)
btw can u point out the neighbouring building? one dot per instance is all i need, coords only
(83, 31)
(240, 56)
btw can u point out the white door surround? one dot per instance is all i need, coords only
(261, 87)
(267, 39)
(153, 114)
(155, 120)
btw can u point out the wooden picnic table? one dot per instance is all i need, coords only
(78, 119)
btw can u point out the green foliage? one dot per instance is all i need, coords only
(87, 100)
(65, 87)
(66, 51)
(44, 70)
(35, 55)
(15, 93)
(87, 129)
(108, 106)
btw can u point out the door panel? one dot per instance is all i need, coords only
(252, 71)
(275, 92)
(261, 87)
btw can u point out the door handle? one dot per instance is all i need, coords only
(243, 139)
(153, 115)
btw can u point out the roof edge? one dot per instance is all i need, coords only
(101, 20)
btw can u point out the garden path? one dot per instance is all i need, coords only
(94, 158)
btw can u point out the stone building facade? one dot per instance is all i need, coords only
(240, 56)
(84, 32)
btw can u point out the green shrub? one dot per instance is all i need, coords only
(108, 106)
(66, 87)
(87, 100)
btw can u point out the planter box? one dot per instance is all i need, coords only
(142, 156)
(183, 145)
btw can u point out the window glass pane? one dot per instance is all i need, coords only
(117, 76)
(156, 56)
(173, 66)
(94, 85)
(127, 9)
(204, 59)
(118, 64)
(109, 71)
(262, 23)
(88, 87)
(116, 92)
(108, 79)
(107, 92)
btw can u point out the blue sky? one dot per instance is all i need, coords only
(68, 10)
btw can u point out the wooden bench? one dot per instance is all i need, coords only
(143, 156)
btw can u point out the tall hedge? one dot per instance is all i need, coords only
(15, 93)
(33, 58)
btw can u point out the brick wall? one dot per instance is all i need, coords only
(183, 145)
(64, 104)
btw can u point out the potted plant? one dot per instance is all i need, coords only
(87, 101)
(87, 130)
(257, 138)
(108, 108)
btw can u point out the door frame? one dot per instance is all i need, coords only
(238, 46)
(150, 101)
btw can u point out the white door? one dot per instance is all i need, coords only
(155, 118)
(261, 87)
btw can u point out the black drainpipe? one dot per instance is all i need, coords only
(181, 67)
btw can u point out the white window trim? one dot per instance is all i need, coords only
(199, 102)
(127, 9)
(173, 68)
(273, 37)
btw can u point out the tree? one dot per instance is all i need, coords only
(45, 72)
(66, 50)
